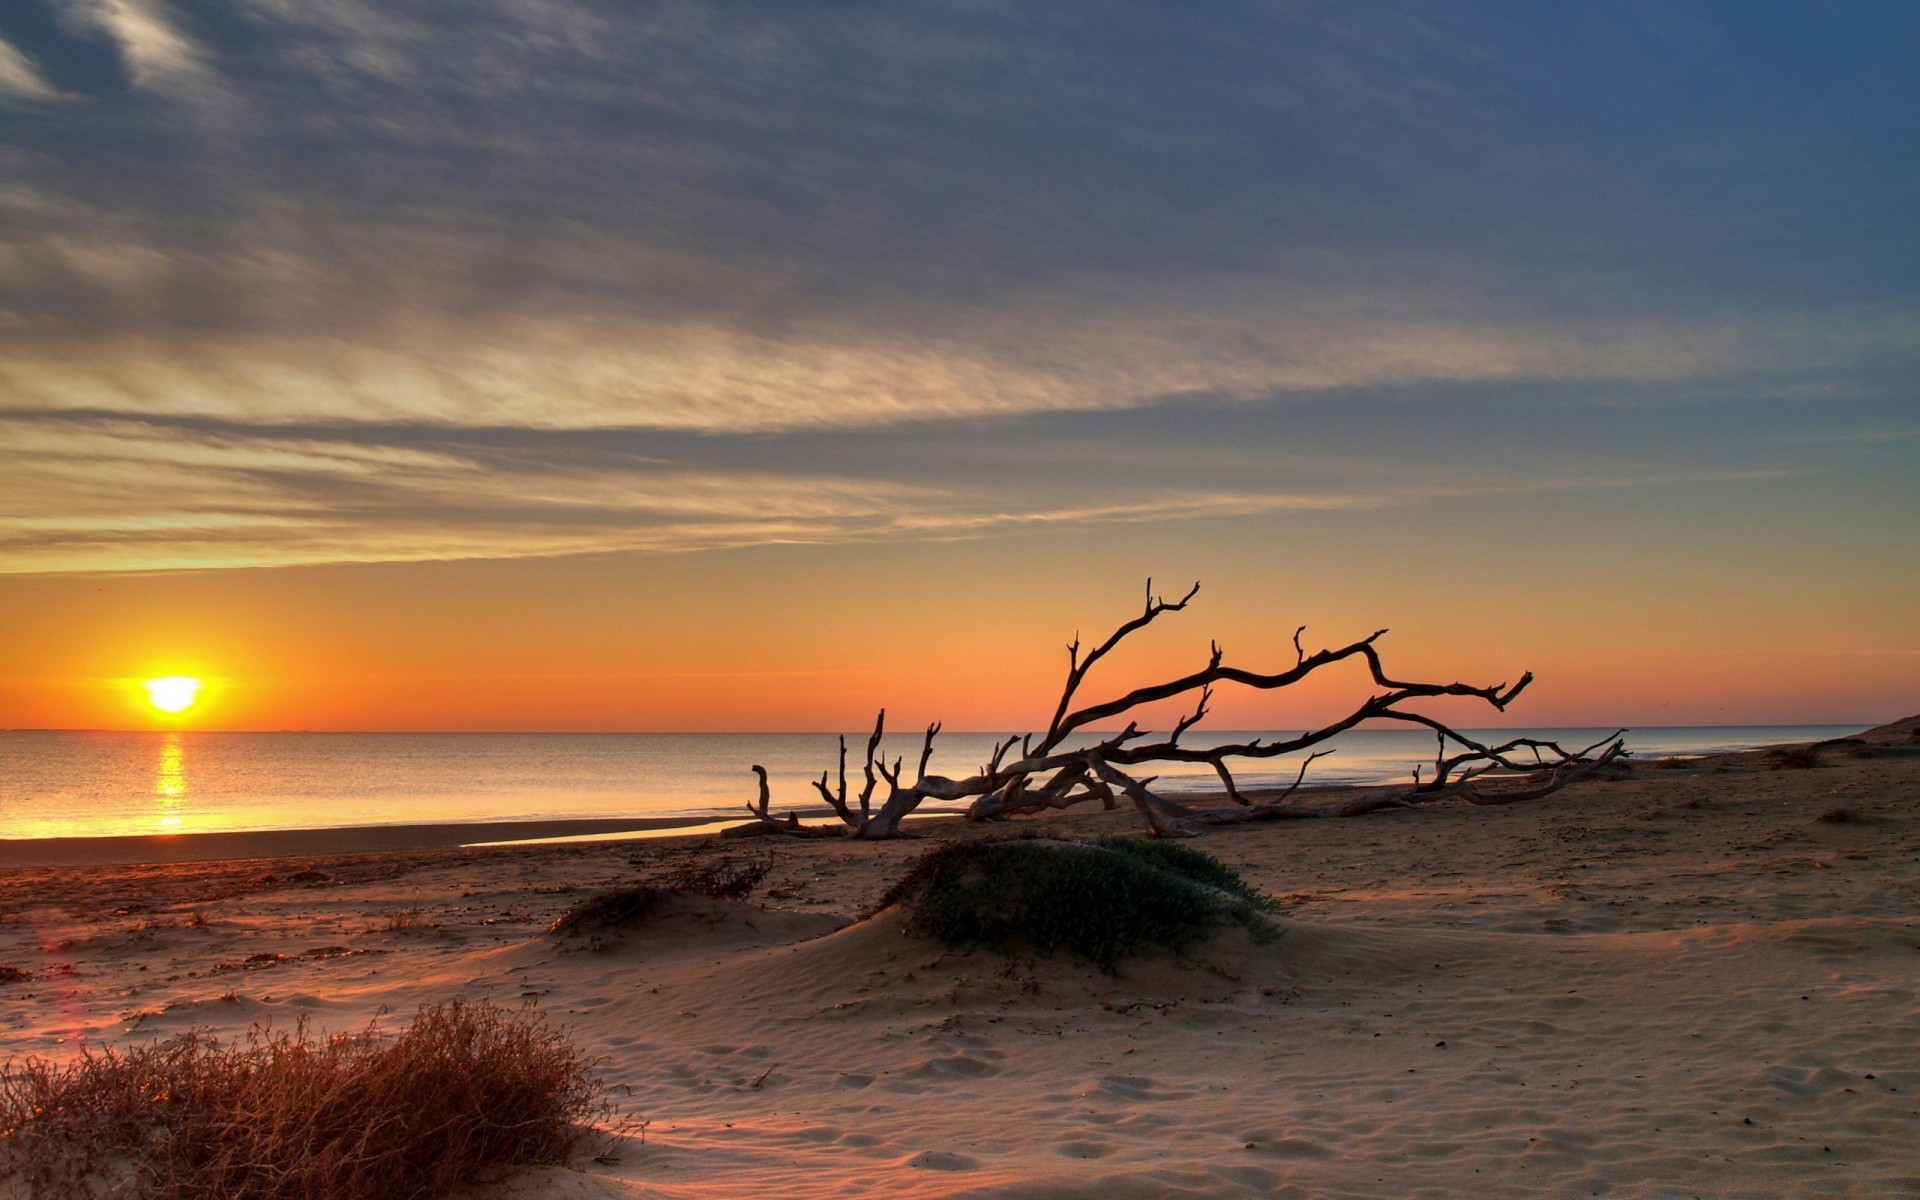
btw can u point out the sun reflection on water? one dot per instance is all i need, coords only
(170, 783)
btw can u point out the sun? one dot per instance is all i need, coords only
(172, 693)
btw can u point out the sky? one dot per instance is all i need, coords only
(532, 364)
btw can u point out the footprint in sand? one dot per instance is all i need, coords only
(818, 1135)
(1131, 1088)
(959, 1065)
(1081, 1148)
(1804, 1081)
(1263, 1142)
(1256, 1179)
(941, 1160)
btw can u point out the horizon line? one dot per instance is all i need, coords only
(1398, 727)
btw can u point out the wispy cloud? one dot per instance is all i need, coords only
(19, 76)
(114, 494)
(591, 372)
(451, 232)
(155, 51)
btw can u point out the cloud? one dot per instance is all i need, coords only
(155, 51)
(19, 76)
(589, 372)
(766, 237)
(113, 494)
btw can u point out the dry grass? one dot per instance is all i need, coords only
(1793, 758)
(724, 879)
(406, 920)
(468, 1090)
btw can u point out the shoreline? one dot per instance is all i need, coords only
(125, 850)
(143, 849)
(41, 830)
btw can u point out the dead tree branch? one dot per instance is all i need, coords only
(1069, 763)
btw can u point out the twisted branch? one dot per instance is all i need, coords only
(1048, 774)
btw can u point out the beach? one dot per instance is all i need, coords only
(1696, 978)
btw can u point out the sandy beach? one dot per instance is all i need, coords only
(1696, 979)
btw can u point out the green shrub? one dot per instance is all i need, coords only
(1185, 861)
(1101, 902)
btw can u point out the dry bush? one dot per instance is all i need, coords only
(724, 879)
(404, 920)
(1793, 758)
(467, 1091)
(607, 910)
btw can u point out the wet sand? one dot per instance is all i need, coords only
(288, 843)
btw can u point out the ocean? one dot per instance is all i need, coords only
(81, 784)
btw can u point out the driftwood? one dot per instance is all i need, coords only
(1057, 769)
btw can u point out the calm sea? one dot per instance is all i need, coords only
(96, 784)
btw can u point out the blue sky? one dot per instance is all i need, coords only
(313, 269)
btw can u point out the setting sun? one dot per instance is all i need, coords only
(172, 693)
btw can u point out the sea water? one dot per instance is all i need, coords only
(67, 784)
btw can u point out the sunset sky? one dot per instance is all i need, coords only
(530, 364)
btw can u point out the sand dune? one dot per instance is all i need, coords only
(1697, 980)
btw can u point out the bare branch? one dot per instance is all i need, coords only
(836, 800)
(926, 749)
(1199, 710)
(1301, 776)
(873, 746)
(766, 794)
(1077, 667)
(1151, 806)
(999, 754)
(1226, 780)
(1045, 776)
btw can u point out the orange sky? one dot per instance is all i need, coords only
(816, 638)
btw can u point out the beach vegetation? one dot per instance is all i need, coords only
(403, 920)
(1100, 902)
(720, 879)
(1793, 758)
(467, 1091)
(1189, 863)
